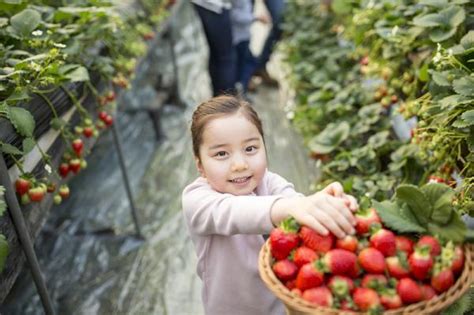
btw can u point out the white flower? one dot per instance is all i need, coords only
(37, 33)
(290, 115)
(58, 45)
(48, 169)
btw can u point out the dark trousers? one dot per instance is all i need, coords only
(222, 55)
(246, 63)
(275, 8)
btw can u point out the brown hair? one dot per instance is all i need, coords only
(217, 107)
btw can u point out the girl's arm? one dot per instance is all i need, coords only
(277, 185)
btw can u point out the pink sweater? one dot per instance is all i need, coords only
(227, 234)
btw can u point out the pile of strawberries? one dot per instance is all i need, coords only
(374, 270)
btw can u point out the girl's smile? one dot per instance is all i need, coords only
(232, 155)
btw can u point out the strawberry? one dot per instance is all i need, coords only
(364, 219)
(404, 244)
(303, 255)
(420, 262)
(339, 261)
(284, 238)
(109, 120)
(75, 165)
(427, 291)
(290, 284)
(371, 281)
(340, 286)
(320, 296)
(88, 132)
(110, 96)
(349, 243)
(390, 299)
(442, 279)
(372, 260)
(318, 243)
(384, 241)
(36, 194)
(432, 243)
(57, 199)
(78, 146)
(347, 305)
(398, 266)
(64, 191)
(63, 169)
(409, 291)
(22, 185)
(309, 276)
(366, 299)
(458, 261)
(102, 115)
(285, 270)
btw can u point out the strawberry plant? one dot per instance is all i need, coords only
(3, 241)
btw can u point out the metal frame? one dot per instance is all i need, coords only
(24, 237)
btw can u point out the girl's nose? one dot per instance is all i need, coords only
(239, 164)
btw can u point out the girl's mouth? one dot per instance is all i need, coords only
(241, 180)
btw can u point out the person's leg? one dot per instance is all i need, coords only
(275, 8)
(222, 56)
(247, 65)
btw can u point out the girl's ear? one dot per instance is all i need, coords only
(199, 167)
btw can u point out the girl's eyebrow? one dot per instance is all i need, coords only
(252, 139)
(216, 146)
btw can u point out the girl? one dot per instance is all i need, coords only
(236, 200)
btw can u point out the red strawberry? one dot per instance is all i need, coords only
(371, 281)
(22, 186)
(339, 261)
(427, 291)
(404, 244)
(309, 276)
(366, 299)
(51, 187)
(390, 299)
(458, 261)
(442, 279)
(372, 260)
(320, 296)
(303, 255)
(63, 169)
(349, 243)
(420, 262)
(77, 146)
(110, 96)
(88, 132)
(103, 115)
(284, 239)
(409, 291)
(36, 194)
(109, 120)
(75, 165)
(384, 241)
(364, 219)
(432, 243)
(290, 284)
(64, 191)
(348, 305)
(398, 266)
(285, 270)
(340, 286)
(315, 241)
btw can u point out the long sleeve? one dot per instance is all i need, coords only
(274, 184)
(209, 212)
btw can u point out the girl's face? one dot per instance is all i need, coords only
(233, 158)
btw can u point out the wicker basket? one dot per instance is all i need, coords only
(295, 305)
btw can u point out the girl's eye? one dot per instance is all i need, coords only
(251, 148)
(220, 154)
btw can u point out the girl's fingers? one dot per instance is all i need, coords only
(335, 189)
(329, 223)
(353, 205)
(341, 220)
(312, 222)
(341, 206)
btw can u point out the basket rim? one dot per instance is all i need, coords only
(434, 305)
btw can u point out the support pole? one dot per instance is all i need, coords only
(24, 237)
(119, 150)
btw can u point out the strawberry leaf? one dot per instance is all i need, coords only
(3, 251)
(455, 230)
(418, 202)
(391, 216)
(22, 120)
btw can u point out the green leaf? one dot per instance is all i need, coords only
(28, 145)
(441, 197)
(455, 230)
(464, 86)
(3, 251)
(428, 20)
(423, 74)
(441, 34)
(22, 120)
(78, 75)
(329, 138)
(25, 22)
(379, 139)
(440, 78)
(9, 149)
(466, 44)
(18, 96)
(418, 202)
(390, 214)
(465, 120)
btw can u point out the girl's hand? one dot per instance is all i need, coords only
(335, 189)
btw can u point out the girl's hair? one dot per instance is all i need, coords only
(217, 107)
